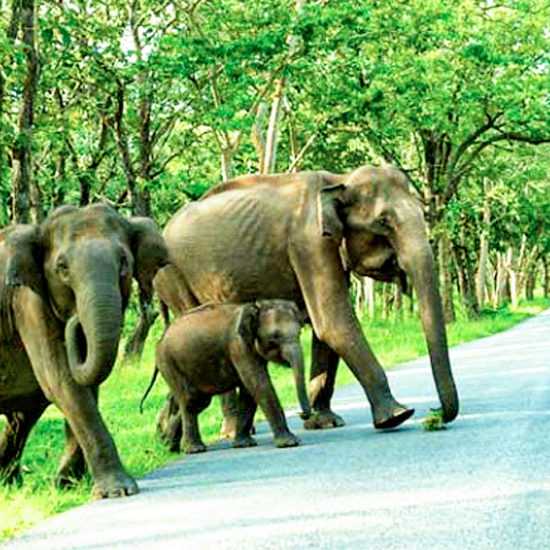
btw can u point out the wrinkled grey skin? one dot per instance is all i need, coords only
(297, 237)
(64, 286)
(216, 348)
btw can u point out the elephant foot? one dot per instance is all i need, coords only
(392, 418)
(243, 441)
(322, 420)
(193, 447)
(114, 486)
(286, 440)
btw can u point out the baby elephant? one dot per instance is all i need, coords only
(220, 347)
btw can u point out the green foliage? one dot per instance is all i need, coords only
(434, 421)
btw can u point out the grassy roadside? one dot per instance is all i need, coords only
(393, 340)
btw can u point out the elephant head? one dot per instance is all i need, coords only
(82, 260)
(381, 229)
(272, 328)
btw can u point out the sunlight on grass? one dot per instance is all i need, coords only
(393, 340)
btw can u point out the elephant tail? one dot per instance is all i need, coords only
(148, 390)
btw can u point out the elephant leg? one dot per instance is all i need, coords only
(44, 343)
(191, 441)
(169, 424)
(87, 426)
(72, 466)
(257, 382)
(16, 432)
(230, 411)
(190, 402)
(324, 364)
(245, 419)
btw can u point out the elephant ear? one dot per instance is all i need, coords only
(149, 251)
(25, 256)
(330, 209)
(24, 259)
(248, 322)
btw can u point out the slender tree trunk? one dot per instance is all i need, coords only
(530, 283)
(466, 280)
(445, 277)
(26, 196)
(481, 274)
(398, 299)
(273, 129)
(258, 134)
(387, 298)
(546, 275)
(11, 35)
(502, 286)
(227, 163)
(293, 140)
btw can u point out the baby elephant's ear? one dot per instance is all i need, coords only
(248, 322)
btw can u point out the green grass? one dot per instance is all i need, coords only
(393, 340)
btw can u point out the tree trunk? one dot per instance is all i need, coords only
(481, 274)
(387, 297)
(11, 35)
(26, 196)
(258, 134)
(227, 163)
(445, 277)
(530, 284)
(273, 129)
(546, 271)
(502, 285)
(398, 299)
(466, 280)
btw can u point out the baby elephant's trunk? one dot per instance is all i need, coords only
(293, 355)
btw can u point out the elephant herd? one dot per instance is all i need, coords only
(242, 269)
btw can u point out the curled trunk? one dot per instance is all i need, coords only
(92, 335)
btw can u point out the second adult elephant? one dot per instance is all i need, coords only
(297, 237)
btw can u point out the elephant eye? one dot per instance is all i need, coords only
(384, 221)
(62, 266)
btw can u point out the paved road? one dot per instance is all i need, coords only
(484, 483)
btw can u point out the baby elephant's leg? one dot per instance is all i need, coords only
(246, 409)
(258, 383)
(190, 402)
(191, 441)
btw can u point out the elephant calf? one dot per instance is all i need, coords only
(217, 348)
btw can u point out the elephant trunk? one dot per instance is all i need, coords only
(293, 355)
(421, 268)
(93, 334)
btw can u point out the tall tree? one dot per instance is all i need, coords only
(26, 195)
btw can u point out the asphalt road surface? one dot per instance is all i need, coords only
(483, 483)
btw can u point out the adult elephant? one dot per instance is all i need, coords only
(297, 237)
(64, 286)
